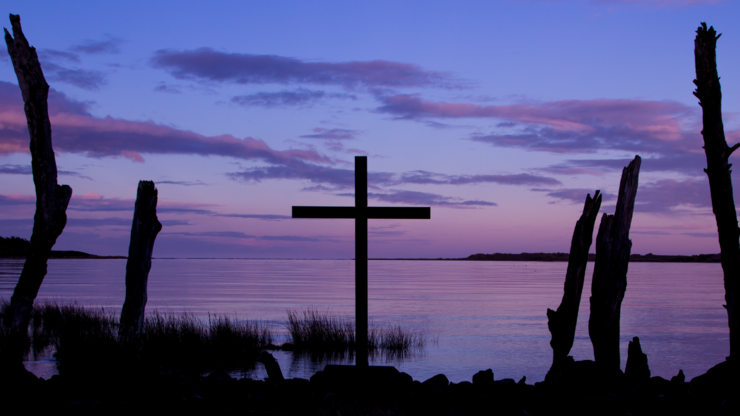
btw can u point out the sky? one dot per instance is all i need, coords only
(499, 115)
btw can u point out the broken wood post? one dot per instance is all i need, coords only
(51, 198)
(143, 232)
(636, 370)
(709, 93)
(272, 367)
(609, 283)
(562, 323)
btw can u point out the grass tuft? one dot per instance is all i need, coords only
(315, 331)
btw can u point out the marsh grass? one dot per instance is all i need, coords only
(84, 336)
(322, 334)
(87, 336)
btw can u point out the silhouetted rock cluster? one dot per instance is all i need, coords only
(580, 390)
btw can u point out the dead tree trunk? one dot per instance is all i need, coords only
(718, 170)
(562, 323)
(51, 198)
(143, 232)
(609, 283)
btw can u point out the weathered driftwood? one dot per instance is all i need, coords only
(143, 232)
(610, 272)
(51, 198)
(637, 369)
(562, 323)
(709, 93)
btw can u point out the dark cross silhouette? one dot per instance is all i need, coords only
(361, 212)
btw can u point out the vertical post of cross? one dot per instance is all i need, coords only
(360, 213)
(361, 313)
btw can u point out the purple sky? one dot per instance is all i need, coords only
(501, 116)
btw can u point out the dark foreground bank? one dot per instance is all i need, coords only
(337, 391)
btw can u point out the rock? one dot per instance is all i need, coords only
(219, 375)
(505, 382)
(523, 381)
(636, 371)
(483, 378)
(658, 386)
(718, 381)
(462, 390)
(679, 379)
(440, 380)
(319, 380)
(297, 384)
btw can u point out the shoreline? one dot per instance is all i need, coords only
(523, 257)
(580, 389)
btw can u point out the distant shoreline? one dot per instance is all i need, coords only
(63, 254)
(531, 257)
(18, 248)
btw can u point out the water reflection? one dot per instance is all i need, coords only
(485, 314)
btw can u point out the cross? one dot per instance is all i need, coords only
(361, 212)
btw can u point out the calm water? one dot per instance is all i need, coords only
(482, 314)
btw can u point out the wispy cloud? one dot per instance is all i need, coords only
(183, 183)
(701, 235)
(171, 89)
(26, 170)
(344, 178)
(425, 198)
(241, 68)
(424, 177)
(331, 134)
(92, 202)
(53, 54)
(15, 169)
(82, 78)
(650, 232)
(574, 195)
(663, 197)
(109, 45)
(267, 217)
(670, 196)
(282, 99)
(16, 199)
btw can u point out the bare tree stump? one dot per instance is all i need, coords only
(562, 323)
(709, 93)
(609, 283)
(51, 198)
(144, 230)
(636, 370)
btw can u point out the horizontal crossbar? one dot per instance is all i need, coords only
(378, 213)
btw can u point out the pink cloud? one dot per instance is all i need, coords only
(666, 133)
(76, 131)
(659, 118)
